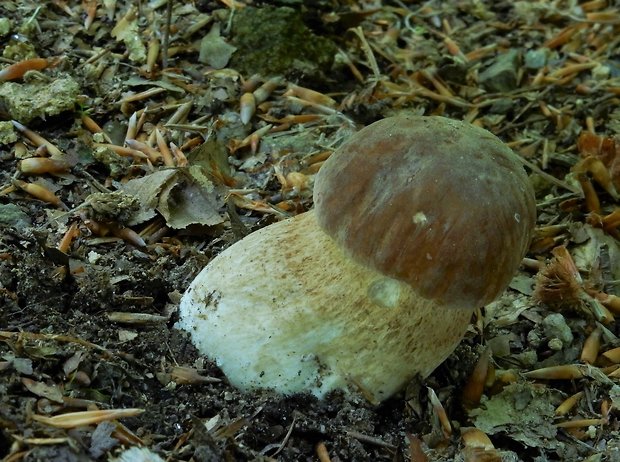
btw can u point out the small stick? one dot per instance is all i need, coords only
(369, 439)
(165, 45)
(370, 57)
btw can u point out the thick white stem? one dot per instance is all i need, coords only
(286, 309)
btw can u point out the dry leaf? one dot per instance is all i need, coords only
(51, 392)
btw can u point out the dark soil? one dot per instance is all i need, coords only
(63, 346)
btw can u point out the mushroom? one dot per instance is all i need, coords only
(417, 221)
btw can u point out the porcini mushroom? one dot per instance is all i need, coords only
(417, 221)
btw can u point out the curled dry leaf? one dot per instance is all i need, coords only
(183, 197)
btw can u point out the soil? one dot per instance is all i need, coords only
(89, 291)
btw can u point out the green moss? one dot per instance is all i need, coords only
(7, 133)
(275, 41)
(27, 101)
(5, 26)
(19, 50)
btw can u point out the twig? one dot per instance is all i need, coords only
(369, 439)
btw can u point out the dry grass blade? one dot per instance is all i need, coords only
(135, 318)
(52, 337)
(369, 439)
(82, 418)
(40, 441)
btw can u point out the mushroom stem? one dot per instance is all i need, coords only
(327, 322)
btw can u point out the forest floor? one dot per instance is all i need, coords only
(129, 158)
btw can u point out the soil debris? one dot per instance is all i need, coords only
(140, 139)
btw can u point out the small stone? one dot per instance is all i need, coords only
(452, 70)
(501, 76)
(527, 358)
(533, 339)
(555, 344)
(601, 72)
(12, 216)
(501, 106)
(555, 327)
(536, 59)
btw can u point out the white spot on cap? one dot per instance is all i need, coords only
(384, 292)
(420, 218)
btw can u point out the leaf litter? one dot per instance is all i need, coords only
(133, 152)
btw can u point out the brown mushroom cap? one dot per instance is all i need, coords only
(440, 204)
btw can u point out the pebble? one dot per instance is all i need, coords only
(555, 326)
(501, 76)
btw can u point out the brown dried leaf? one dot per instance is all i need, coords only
(73, 362)
(191, 200)
(183, 196)
(214, 50)
(51, 392)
